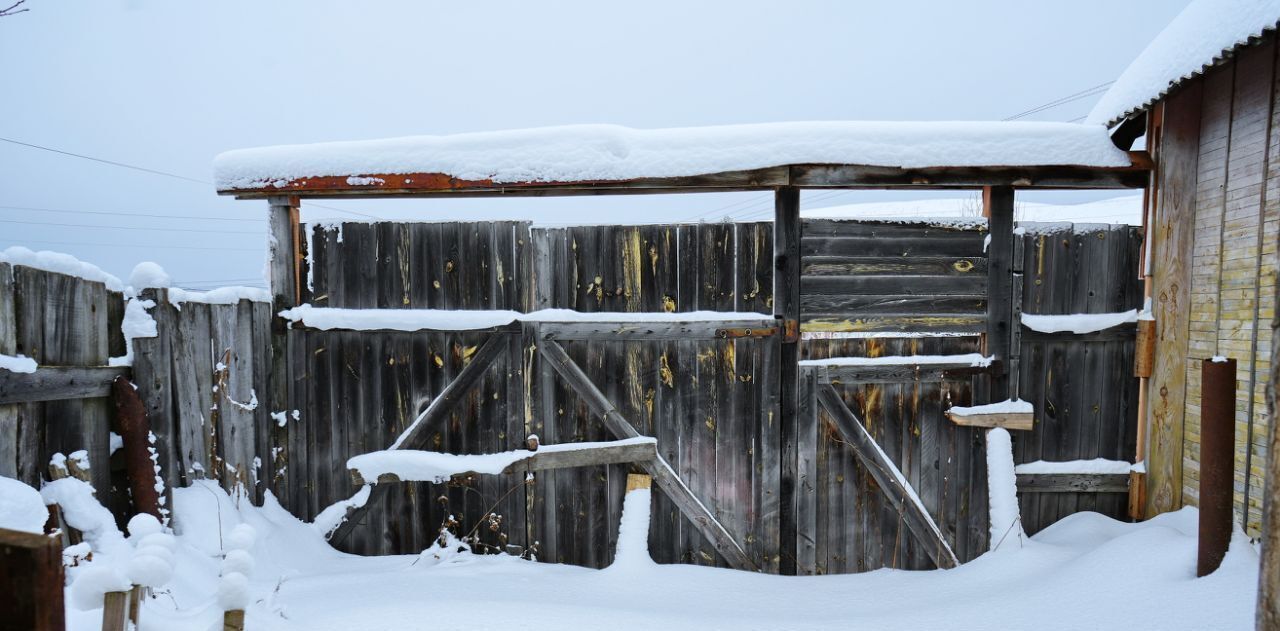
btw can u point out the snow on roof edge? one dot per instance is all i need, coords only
(581, 153)
(1205, 34)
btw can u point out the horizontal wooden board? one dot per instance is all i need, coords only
(903, 285)
(58, 383)
(885, 228)
(949, 245)
(1073, 482)
(897, 373)
(894, 266)
(639, 331)
(945, 323)
(821, 305)
(1024, 421)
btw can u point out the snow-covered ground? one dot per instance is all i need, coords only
(1086, 572)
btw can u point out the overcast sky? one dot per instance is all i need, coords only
(168, 85)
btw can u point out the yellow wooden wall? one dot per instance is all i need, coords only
(1217, 203)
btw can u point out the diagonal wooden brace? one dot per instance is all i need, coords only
(888, 478)
(662, 473)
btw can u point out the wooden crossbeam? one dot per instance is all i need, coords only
(657, 331)
(814, 176)
(897, 373)
(888, 478)
(418, 433)
(1073, 482)
(57, 383)
(665, 477)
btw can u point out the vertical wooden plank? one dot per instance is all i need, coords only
(192, 383)
(8, 346)
(786, 307)
(1172, 241)
(152, 374)
(998, 207)
(806, 488)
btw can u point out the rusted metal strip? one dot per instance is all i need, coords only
(135, 431)
(1217, 461)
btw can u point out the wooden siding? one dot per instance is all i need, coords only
(1218, 139)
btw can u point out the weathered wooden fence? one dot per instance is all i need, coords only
(65, 323)
(712, 404)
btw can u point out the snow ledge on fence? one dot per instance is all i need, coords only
(1008, 406)
(432, 466)
(596, 153)
(1078, 323)
(1094, 466)
(326, 318)
(976, 360)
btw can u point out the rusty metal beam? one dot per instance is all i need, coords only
(1217, 461)
(811, 176)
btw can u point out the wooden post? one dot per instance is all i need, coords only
(286, 291)
(997, 205)
(31, 584)
(233, 620)
(786, 308)
(1217, 461)
(284, 244)
(1269, 560)
(115, 611)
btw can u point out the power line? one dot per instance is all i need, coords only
(82, 225)
(153, 171)
(124, 214)
(142, 245)
(1087, 92)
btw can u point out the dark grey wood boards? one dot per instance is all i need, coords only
(852, 527)
(886, 275)
(1081, 386)
(60, 320)
(8, 346)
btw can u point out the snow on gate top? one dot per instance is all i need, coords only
(579, 153)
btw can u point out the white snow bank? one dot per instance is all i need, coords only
(970, 359)
(1205, 31)
(149, 275)
(82, 511)
(1008, 406)
(21, 507)
(1002, 489)
(60, 263)
(93, 583)
(137, 323)
(17, 363)
(633, 532)
(1079, 322)
(220, 296)
(334, 514)
(962, 212)
(326, 318)
(432, 466)
(611, 152)
(301, 583)
(1096, 465)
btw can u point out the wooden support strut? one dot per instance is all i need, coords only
(546, 460)
(997, 202)
(416, 436)
(786, 308)
(662, 473)
(888, 478)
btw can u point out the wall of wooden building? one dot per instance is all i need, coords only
(1213, 263)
